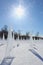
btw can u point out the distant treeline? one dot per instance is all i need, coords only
(15, 35)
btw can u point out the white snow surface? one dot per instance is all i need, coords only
(19, 49)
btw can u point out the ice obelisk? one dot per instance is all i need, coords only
(9, 43)
(3, 36)
(31, 41)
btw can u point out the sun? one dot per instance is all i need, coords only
(19, 11)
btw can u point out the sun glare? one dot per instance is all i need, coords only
(19, 11)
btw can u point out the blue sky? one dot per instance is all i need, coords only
(32, 21)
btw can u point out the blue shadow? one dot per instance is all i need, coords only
(1, 44)
(36, 54)
(7, 61)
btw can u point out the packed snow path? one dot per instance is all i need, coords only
(24, 53)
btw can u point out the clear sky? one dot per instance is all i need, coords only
(32, 20)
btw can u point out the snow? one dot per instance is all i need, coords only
(20, 52)
(25, 52)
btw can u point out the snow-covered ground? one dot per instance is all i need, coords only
(25, 52)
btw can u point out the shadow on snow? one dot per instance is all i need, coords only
(36, 54)
(7, 61)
